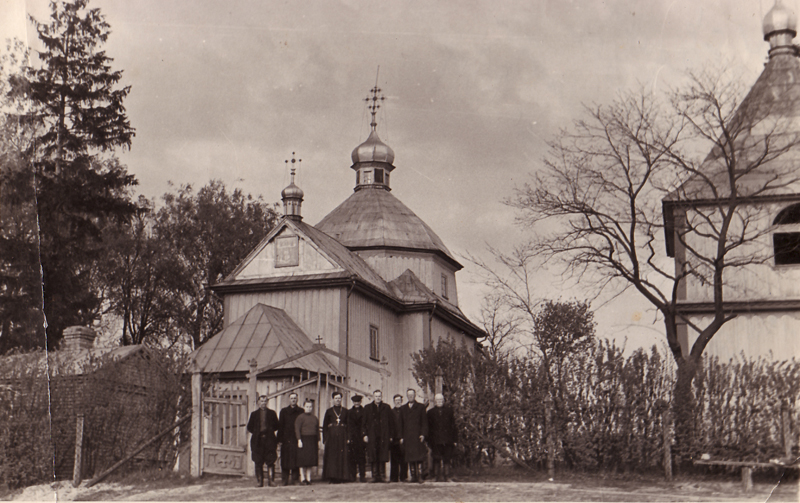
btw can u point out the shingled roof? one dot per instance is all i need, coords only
(374, 218)
(767, 127)
(265, 333)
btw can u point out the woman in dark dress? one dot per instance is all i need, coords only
(334, 436)
(306, 427)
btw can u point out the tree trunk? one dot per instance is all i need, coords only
(683, 410)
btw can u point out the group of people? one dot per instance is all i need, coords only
(374, 432)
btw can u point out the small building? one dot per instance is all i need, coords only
(119, 393)
(342, 304)
(764, 294)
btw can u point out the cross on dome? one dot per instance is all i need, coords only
(292, 195)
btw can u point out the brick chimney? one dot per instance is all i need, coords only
(78, 338)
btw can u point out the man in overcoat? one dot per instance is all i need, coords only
(399, 468)
(355, 436)
(442, 436)
(379, 430)
(413, 430)
(263, 424)
(288, 440)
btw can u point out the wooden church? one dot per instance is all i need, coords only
(764, 294)
(338, 305)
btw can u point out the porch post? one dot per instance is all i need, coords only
(195, 461)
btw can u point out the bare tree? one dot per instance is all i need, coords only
(500, 326)
(629, 180)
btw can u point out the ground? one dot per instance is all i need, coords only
(563, 488)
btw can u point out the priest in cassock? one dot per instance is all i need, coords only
(357, 454)
(334, 436)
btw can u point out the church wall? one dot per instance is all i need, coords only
(315, 310)
(760, 281)
(441, 330)
(427, 267)
(755, 335)
(364, 313)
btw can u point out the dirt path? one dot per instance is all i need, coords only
(222, 489)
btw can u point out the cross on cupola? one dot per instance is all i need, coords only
(373, 108)
(292, 195)
(372, 160)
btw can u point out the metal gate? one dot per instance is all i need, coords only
(225, 432)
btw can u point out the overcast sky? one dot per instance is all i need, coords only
(229, 89)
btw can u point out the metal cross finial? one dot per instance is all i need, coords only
(373, 108)
(319, 339)
(293, 161)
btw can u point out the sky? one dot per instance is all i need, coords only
(229, 89)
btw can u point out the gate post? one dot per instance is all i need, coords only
(252, 405)
(195, 462)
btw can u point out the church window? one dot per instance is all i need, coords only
(366, 177)
(786, 238)
(378, 176)
(373, 343)
(444, 285)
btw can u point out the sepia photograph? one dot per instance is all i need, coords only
(351, 250)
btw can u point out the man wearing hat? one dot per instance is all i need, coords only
(355, 432)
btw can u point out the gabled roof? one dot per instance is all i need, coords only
(374, 218)
(74, 362)
(265, 333)
(353, 265)
(413, 292)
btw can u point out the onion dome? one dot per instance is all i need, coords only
(372, 160)
(292, 191)
(779, 18)
(292, 196)
(780, 27)
(373, 150)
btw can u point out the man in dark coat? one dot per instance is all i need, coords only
(263, 424)
(334, 436)
(442, 436)
(413, 430)
(355, 436)
(288, 440)
(379, 431)
(399, 467)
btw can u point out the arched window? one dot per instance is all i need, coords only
(786, 238)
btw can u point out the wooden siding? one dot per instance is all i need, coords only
(311, 261)
(315, 310)
(427, 267)
(363, 313)
(763, 281)
(441, 330)
(772, 336)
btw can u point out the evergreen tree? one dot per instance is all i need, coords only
(80, 186)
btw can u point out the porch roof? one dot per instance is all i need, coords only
(265, 333)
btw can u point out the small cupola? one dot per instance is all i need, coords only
(780, 27)
(372, 160)
(292, 195)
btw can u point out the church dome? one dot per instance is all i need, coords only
(779, 18)
(374, 219)
(373, 150)
(292, 191)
